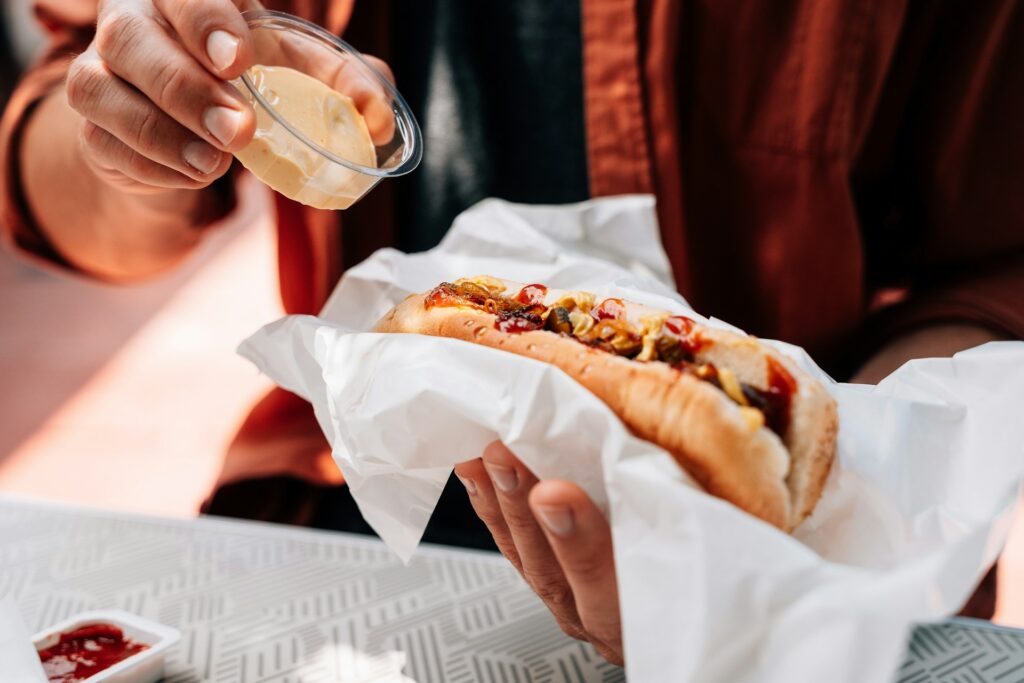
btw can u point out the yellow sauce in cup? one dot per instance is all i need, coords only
(325, 116)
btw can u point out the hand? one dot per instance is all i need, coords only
(558, 540)
(157, 111)
(344, 75)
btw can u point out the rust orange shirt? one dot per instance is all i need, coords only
(830, 174)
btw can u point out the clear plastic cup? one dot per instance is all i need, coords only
(310, 145)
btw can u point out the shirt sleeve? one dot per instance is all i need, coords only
(69, 26)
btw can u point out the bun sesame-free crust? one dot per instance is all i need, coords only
(732, 457)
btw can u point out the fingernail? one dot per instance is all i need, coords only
(223, 123)
(470, 485)
(201, 157)
(221, 48)
(505, 478)
(557, 518)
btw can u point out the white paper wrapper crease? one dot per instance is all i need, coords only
(916, 508)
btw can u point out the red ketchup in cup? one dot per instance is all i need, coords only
(86, 651)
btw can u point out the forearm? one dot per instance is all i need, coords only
(940, 340)
(114, 232)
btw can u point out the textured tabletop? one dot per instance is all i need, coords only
(263, 603)
(260, 603)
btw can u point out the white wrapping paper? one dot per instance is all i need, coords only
(916, 509)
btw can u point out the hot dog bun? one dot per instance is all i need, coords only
(729, 449)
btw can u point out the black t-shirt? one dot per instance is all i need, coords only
(497, 88)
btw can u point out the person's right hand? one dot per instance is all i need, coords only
(557, 538)
(151, 90)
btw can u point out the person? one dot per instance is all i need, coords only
(844, 176)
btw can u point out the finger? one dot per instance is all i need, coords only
(116, 160)
(372, 101)
(352, 78)
(512, 484)
(485, 505)
(581, 539)
(213, 32)
(109, 103)
(139, 50)
(381, 66)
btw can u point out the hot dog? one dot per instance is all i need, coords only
(743, 420)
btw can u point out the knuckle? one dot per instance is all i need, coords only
(117, 31)
(85, 83)
(519, 516)
(557, 597)
(590, 569)
(570, 629)
(338, 76)
(488, 512)
(173, 82)
(610, 655)
(511, 554)
(491, 517)
(547, 576)
(601, 630)
(381, 66)
(555, 593)
(93, 137)
(138, 166)
(193, 18)
(147, 129)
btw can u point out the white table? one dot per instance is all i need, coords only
(260, 603)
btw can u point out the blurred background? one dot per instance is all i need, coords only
(126, 398)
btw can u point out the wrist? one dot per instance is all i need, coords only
(98, 225)
(134, 231)
(939, 340)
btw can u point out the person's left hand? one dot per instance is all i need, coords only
(558, 540)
